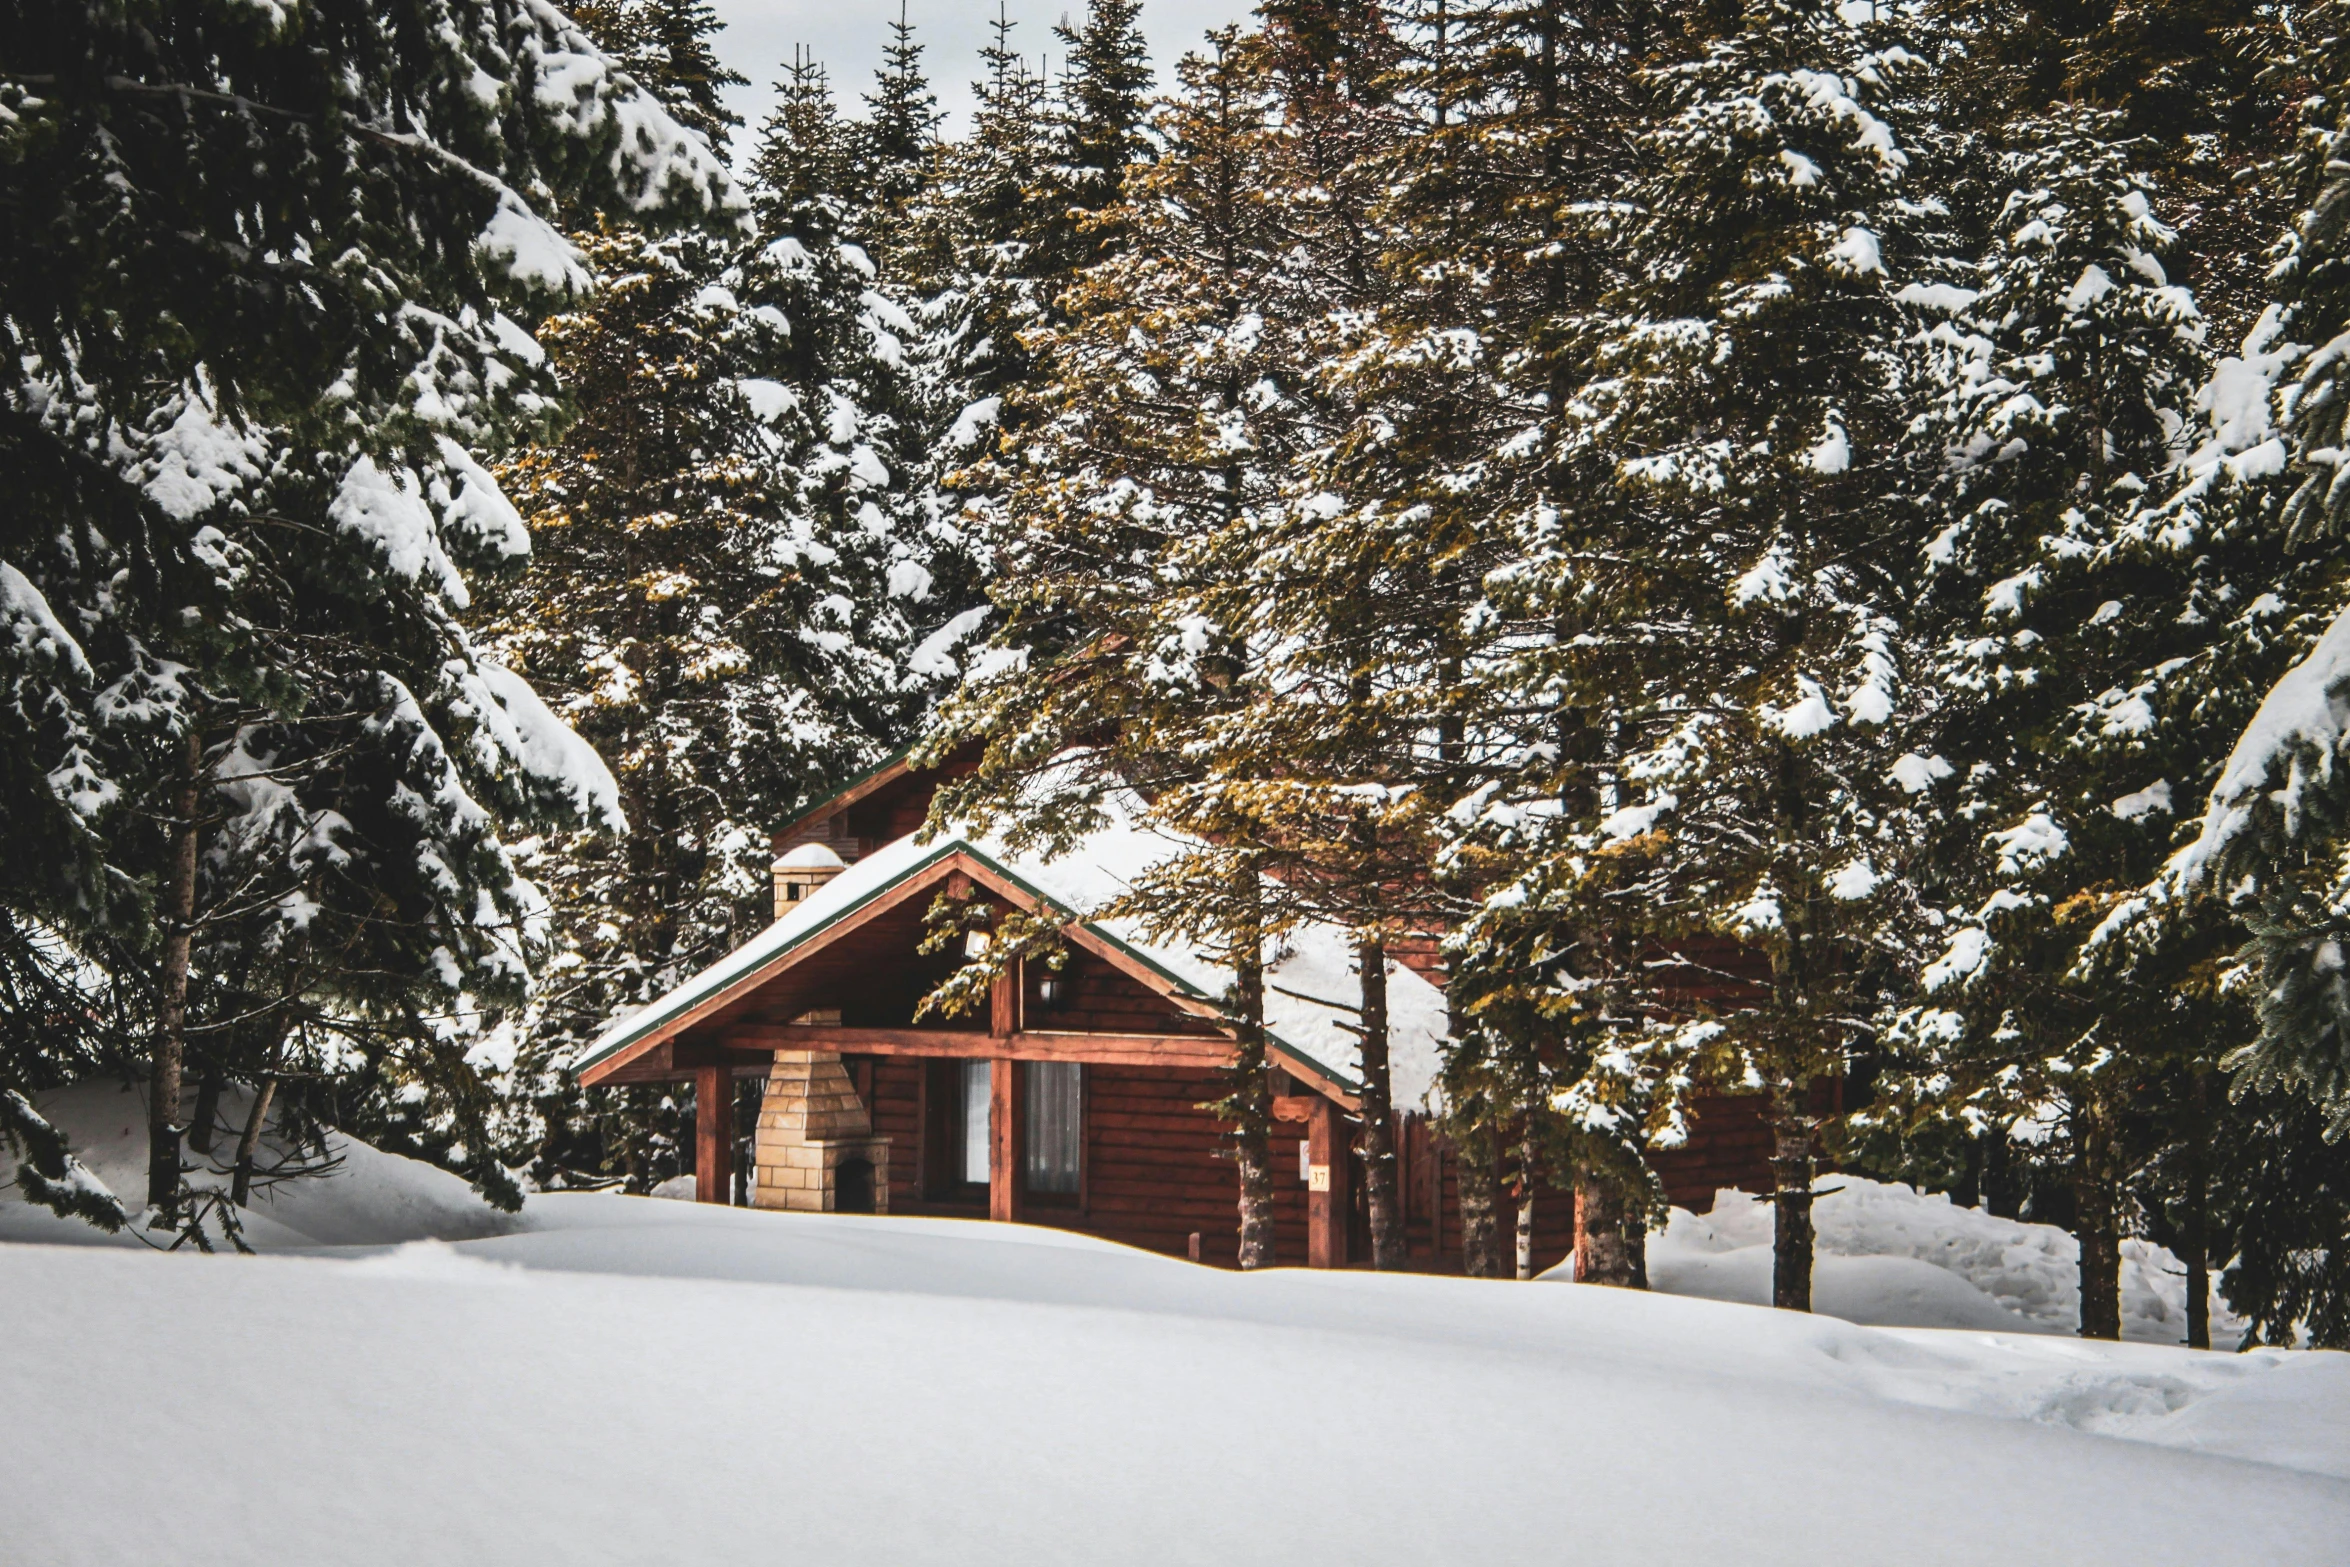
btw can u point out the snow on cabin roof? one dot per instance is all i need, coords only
(810, 856)
(1311, 992)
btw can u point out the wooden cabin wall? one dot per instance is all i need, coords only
(1154, 1174)
(1426, 1175)
(1097, 998)
(1729, 1146)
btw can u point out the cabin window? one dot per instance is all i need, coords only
(1055, 1133)
(975, 1099)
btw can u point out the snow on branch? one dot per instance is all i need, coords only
(549, 751)
(2289, 745)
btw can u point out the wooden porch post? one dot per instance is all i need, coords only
(713, 1134)
(1006, 1104)
(1326, 1187)
(1005, 1108)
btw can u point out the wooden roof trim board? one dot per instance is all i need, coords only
(1192, 1050)
(601, 1065)
(915, 879)
(872, 780)
(1141, 967)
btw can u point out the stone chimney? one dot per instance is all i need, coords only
(800, 872)
(815, 1150)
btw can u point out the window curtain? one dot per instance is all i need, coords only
(977, 1090)
(1055, 1130)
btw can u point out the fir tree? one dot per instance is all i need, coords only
(1728, 586)
(737, 561)
(1154, 426)
(1528, 113)
(993, 190)
(898, 142)
(2256, 504)
(260, 336)
(1099, 134)
(2072, 366)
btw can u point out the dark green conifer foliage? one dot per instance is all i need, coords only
(1100, 133)
(1157, 422)
(899, 137)
(735, 567)
(260, 338)
(2070, 367)
(1727, 584)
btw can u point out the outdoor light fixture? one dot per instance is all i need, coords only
(1049, 991)
(975, 943)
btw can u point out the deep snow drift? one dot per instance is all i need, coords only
(1901, 1258)
(630, 1380)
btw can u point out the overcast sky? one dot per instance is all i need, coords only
(847, 36)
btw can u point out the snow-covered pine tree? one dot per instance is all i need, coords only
(992, 194)
(897, 157)
(734, 568)
(257, 291)
(1728, 587)
(2256, 509)
(665, 45)
(2204, 87)
(1527, 114)
(1322, 758)
(1156, 422)
(1099, 132)
(2070, 363)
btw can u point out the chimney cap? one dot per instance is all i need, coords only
(810, 857)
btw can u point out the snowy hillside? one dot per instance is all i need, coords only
(605, 1377)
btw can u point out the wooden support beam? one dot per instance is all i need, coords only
(1007, 1096)
(713, 1133)
(1003, 1003)
(1204, 1050)
(1327, 1167)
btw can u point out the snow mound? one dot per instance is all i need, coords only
(883, 1386)
(561, 1381)
(371, 1198)
(1893, 1256)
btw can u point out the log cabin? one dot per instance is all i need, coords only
(1078, 1096)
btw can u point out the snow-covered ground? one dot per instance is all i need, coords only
(614, 1379)
(1895, 1257)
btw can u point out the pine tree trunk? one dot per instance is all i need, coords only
(1526, 1204)
(2097, 1221)
(205, 1122)
(1480, 1193)
(1378, 1143)
(171, 1030)
(241, 1183)
(1792, 1239)
(1609, 1247)
(2195, 1239)
(2001, 1197)
(1252, 1102)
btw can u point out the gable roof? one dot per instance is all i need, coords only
(879, 776)
(1308, 987)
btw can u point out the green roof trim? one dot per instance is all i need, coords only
(638, 1032)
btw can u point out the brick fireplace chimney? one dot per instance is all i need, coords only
(800, 872)
(815, 1150)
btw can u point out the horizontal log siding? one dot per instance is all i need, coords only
(1729, 1146)
(897, 1115)
(1554, 1216)
(1154, 1175)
